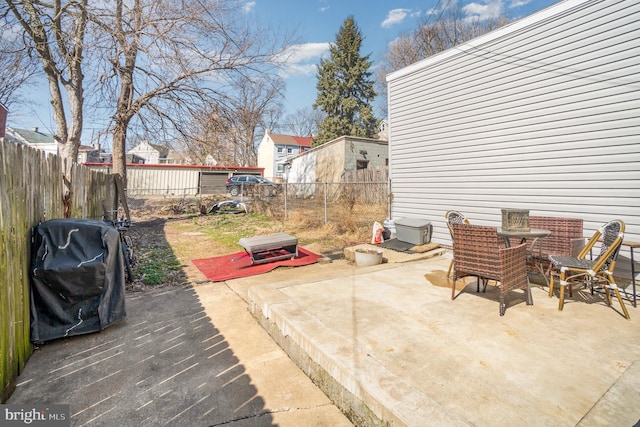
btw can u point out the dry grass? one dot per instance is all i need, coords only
(195, 235)
(169, 233)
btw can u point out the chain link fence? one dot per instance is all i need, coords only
(347, 206)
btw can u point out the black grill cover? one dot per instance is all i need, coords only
(77, 278)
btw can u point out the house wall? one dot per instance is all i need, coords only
(303, 168)
(303, 172)
(328, 162)
(360, 149)
(145, 151)
(543, 114)
(283, 153)
(266, 156)
(33, 138)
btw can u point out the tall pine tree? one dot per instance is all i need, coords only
(345, 88)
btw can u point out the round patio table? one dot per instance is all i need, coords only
(534, 233)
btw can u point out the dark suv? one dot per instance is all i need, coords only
(251, 184)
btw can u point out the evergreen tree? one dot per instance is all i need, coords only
(345, 88)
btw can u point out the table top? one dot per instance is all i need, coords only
(626, 243)
(630, 244)
(534, 232)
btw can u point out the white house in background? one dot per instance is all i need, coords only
(33, 138)
(153, 154)
(383, 130)
(275, 149)
(329, 162)
(542, 114)
(92, 154)
(45, 142)
(149, 153)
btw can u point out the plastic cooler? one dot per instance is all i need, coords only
(413, 230)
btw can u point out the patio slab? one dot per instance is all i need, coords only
(388, 345)
(188, 356)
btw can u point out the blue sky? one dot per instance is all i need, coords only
(316, 23)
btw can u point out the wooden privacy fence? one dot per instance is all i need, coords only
(31, 191)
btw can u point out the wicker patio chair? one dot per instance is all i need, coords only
(591, 272)
(476, 252)
(454, 217)
(566, 239)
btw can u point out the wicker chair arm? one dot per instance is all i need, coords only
(513, 267)
(576, 246)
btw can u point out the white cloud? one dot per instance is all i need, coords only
(248, 6)
(490, 10)
(519, 3)
(291, 70)
(395, 16)
(302, 59)
(307, 51)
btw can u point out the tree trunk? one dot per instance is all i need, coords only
(119, 155)
(125, 110)
(48, 25)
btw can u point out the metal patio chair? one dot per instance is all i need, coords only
(477, 252)
(591, 272)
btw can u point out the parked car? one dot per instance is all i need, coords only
(251, 184)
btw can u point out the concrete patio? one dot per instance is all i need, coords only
(388, 344)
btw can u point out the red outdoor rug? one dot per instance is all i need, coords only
(233, 266)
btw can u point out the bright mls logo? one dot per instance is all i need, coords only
(35, 415)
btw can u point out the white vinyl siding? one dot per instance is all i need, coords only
(543, 114)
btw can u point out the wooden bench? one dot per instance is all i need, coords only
(270, 247)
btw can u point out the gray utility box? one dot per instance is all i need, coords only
(413, 230)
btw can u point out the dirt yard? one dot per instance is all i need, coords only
(167, 235)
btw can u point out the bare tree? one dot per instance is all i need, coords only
(229, 131)
(256, 101)
(56, 32)
(207, 137)
(449, 29)
(168, 61)
(18, 66)
(303, 122)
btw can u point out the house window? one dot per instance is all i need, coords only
(280, 149)
(289, 150)
(280, 167)
(362, 164)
